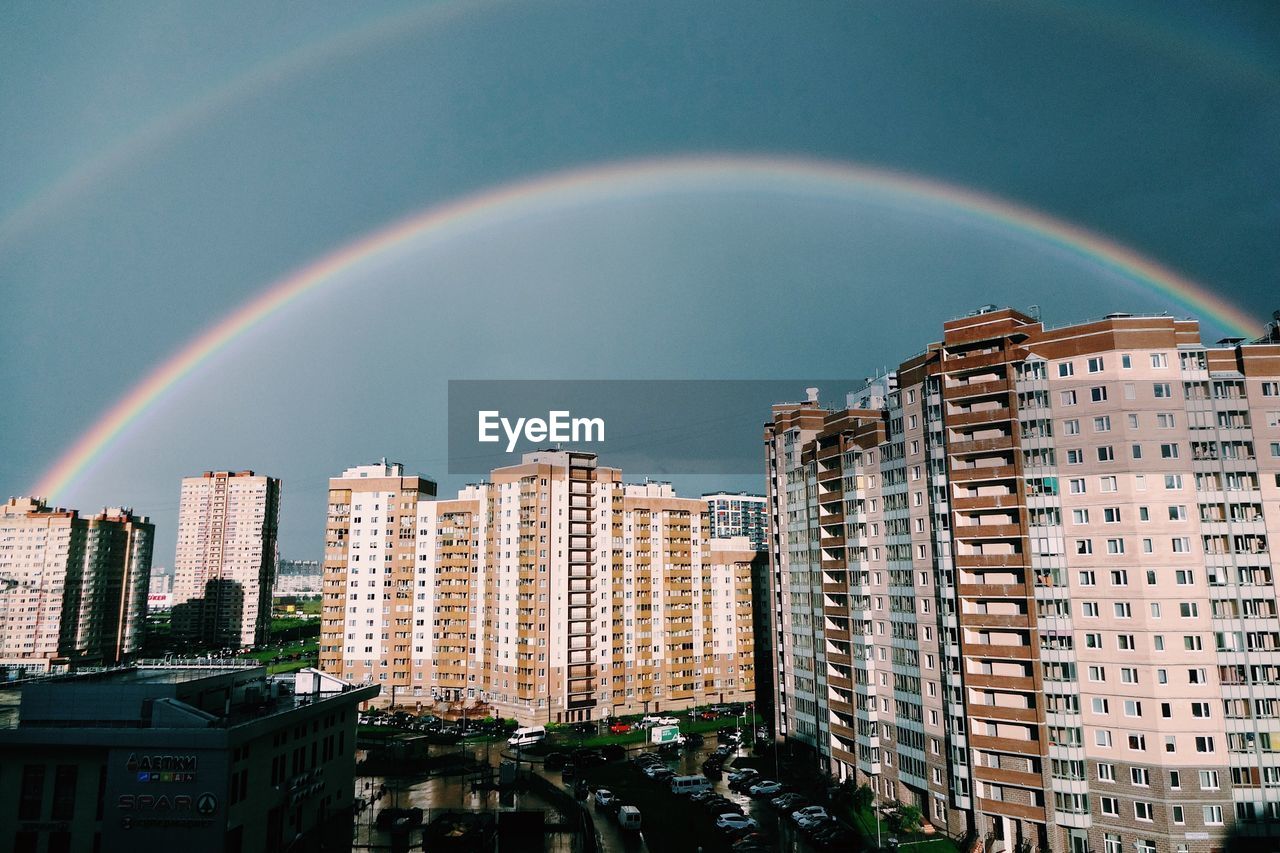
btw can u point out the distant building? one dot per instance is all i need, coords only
(225, 561)
(297, 578)
(202, 759)
(554, 593)
(738, 514)
(160, 595)
(73, 590)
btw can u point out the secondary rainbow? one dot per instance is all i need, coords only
(595, 184)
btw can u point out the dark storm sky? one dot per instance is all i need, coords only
(161, 163)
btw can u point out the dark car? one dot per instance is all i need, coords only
(568, 772)
(693, 741)
(613, 752)
(587, 757)
(555, 760)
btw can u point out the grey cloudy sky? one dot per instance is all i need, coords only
(162, 163)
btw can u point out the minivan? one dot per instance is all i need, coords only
(527, 736)
(690, 784)
(629, 818)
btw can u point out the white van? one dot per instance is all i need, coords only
(685, 785)
(629, 818)
(527, 736)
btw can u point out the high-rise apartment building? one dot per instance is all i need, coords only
(737, 514)
(554, 592)
(73, 590)
(1026, 584)
(225, 562)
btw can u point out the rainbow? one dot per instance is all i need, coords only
(588, 185)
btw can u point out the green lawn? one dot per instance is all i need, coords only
(865, 823)
(306, 649)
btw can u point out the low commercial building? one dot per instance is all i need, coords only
(218, 758)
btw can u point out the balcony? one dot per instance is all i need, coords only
(1018, 683)
(1011, 745)
(1000, 776)
(987, 502)
(989, 561)
(988, 531)
(985, 416)
(995, 620)
(977, 389)
(996, 650)
(999, 712)
(959, 364)
(998, 807)
(989, 472)
(992, 590)
(980, 445)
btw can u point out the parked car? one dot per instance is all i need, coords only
(693, 741)
(741, 780)
(620, 728)
(765, 788)
(604, 798)
(810, 814)
(788, 802)
(735, 822)
(718, 805)
(555, 760)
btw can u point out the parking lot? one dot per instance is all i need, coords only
(677, 823)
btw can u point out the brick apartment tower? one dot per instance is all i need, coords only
(1024, 583)
(553, 593)
(225, 563)
(73, 590)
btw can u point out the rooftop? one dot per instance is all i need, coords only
(199, 694)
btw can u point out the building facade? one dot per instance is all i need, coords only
(73, 589)
(553, 593)
(738, 514)
(215, 758)
(1026, 584)
(224, 567)
(297, 579)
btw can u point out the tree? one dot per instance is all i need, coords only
(863, 797)
(909, 819)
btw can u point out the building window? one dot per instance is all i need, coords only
(31, 796)
(64, 792)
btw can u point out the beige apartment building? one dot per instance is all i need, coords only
(1025, 583)
(552, 593)
(224, 567)
(73, 589)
